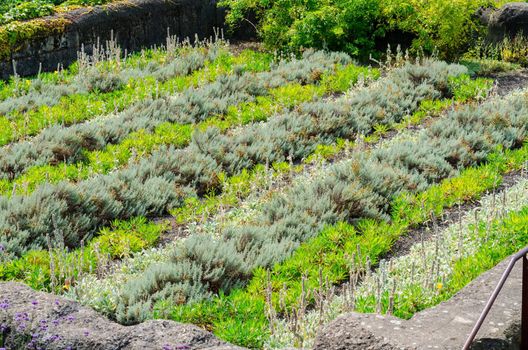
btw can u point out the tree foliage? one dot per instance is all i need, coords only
(355, 26)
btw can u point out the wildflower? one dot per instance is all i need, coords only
(34, 302)
(54, 337)
(4, 305)
(21, 316)
(439, 286)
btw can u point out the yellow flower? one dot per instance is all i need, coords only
(439, 286)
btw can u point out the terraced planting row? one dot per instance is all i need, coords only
(198, 166)
(108, 84)
(223, 313)
(143, 142)
(35, 265)
(241, 199)
(191, 106)
(229, 316)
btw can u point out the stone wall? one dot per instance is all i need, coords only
(508, 21)
(134, 23)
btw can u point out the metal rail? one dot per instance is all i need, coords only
(524, 313)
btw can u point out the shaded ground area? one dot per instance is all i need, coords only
(511, 81)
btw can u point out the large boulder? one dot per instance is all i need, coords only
(53, 322)
(507, 21)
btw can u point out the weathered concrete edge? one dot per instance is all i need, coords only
(445, 326)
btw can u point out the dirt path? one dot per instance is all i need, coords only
(511, 81)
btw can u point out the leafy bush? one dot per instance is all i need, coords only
(355, 25)
(506, 54)
(20, 10)
(349, 25)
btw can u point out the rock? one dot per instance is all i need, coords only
(508, 21)
(63, 324)
(350, 332)
(445, 326)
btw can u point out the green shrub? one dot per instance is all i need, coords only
(290, 25)
(354, 26)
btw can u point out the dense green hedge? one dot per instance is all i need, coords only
(356, 25)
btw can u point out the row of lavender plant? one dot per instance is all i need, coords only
(107, 69)
(164, 180)
(359, 189)
(66, 144)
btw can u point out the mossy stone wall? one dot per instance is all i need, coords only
(134, 23)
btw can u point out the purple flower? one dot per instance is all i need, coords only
(167, 347)
(2, 249)
(54, 337)
(86, 333)
(55, 322)
(70, 318)
(182, 347)
(34, 302)
(4, 305)
(21, 317)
